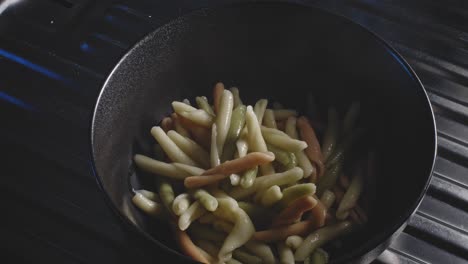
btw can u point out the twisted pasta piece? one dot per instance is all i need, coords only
(242, 231)
(313, 150)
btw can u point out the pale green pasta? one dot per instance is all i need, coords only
(283, 178)
(302, 159)
(241, 232)
(271, 196)
(199, 117)
(318, 238)
(223, 119)
(235, 179)
(262, 183)
(242, 147)
(181, 203)
(206, 199)
(272, 131)
(146, 205)
(216, 183)
(202, 103)
(261, 250)
(350, 197)
(245, 257)
(237, 123)
(166, 193)
(170, 148)
(214, 153)
(294, 242)
(236, 96)
(329, 179)
(191, 214)
(149, 195)
(191, 148)
(295, 192)
(255, 138)
(269, 119)
(290, 127)
(327, 198)
(287, 159)
(319, 256)
(259, 109)
(191, 170)
(248, 177)
(285, 254)
(283, 141)
(180, 107)
(159, 167)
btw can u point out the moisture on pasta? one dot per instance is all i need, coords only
(253, 183)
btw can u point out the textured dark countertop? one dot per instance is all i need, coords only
(54, 57)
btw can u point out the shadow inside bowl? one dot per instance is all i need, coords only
(285, 53)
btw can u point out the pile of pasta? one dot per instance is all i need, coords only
(243, 184)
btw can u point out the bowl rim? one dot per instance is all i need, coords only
(375, 241)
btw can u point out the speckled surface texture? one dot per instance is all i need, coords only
(52, 74)
(282, 52)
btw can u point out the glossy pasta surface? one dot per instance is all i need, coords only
(254, 183)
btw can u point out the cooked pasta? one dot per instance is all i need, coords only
(286, 255)
(181, 203)
(202, 103)
(192, 213)
(331, 134)
(175, 121)
(259, 109)
(241, 183)
(223, 119)
(146, 205)
(192, 170)
(261, 250)
(159, 167)
(255, 140)
(170, 148)
(191, 148)
(302, 159)
(271, 196)
(294, 242)
(214, 152)
(269, 119)
(313, 150)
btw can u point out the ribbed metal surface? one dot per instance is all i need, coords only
(51, 76)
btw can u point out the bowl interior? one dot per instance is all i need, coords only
(283, 53)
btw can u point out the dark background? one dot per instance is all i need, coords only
(54, 58)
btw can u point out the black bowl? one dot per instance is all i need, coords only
(282, 52)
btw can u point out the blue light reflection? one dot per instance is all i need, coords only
(86, 47)
(400, 61)
(30, 65)
(13, 100)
